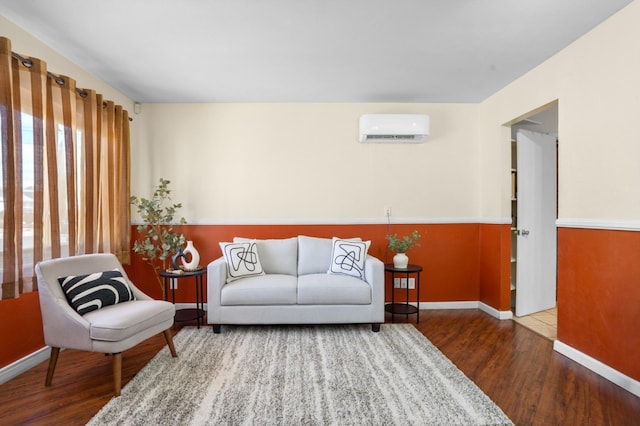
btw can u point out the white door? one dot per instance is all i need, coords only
(537, 237)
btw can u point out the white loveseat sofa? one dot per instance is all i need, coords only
(300, 280)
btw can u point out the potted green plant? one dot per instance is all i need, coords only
(400, 245)
(158, 241)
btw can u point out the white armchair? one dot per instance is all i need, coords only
(109, 329)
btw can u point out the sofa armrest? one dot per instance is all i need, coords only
(374, 275)
(216, 279)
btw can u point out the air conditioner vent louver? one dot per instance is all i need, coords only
(392, 137)
(394, 128)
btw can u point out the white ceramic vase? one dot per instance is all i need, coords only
(400, 261)
(195, 257)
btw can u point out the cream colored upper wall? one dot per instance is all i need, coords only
(596, 82)
(26, 44)
(302, 163)
(291, 162)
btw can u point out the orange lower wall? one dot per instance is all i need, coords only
(599, 295)
(598, 280)
(20, 328)
(448, 254)
(495, 266)
(461, 262)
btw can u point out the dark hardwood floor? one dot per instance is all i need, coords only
(516, 367)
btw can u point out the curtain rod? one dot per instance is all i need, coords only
(58, 79)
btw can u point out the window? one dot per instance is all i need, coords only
(65, 171)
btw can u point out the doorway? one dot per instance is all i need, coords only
(534, 214)
(544, 323)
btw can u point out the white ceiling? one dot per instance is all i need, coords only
(308, 50)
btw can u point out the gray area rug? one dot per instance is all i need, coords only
(301, 375)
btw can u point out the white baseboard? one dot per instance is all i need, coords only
(188, 306)
(448, 305)
(501, 315)
(23, 364)
(598, 367)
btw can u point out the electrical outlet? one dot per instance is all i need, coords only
(402, 283)
(399, 283)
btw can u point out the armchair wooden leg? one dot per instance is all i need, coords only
(53, 359)
(169, 338)
(117, 373)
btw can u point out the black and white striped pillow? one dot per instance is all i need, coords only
(86, 293)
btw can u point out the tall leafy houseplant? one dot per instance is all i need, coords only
(158, 242)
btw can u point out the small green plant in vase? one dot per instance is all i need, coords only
(400, 245)
(158, 240)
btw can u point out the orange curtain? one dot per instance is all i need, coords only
(65, 170)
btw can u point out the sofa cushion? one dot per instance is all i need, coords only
(328, 289)
(314, 254)
(277, 256)
(271, 289)
(348, 257)
(242, 260)
(89, 292)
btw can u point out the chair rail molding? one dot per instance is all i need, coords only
(614, 225)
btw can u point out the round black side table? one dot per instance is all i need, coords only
(403, 308)
(188, 314)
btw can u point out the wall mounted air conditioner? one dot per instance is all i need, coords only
(394, 128)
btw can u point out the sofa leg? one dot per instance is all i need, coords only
(375, 327)
(216, 328)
